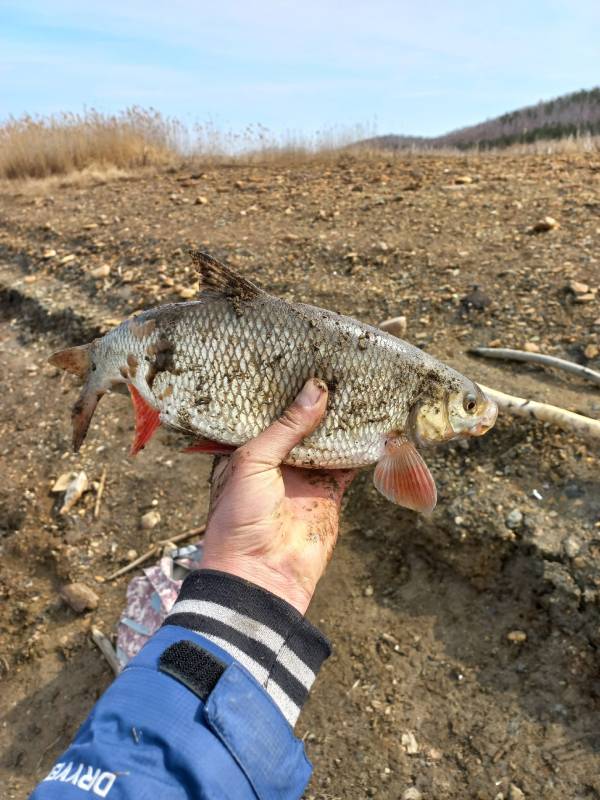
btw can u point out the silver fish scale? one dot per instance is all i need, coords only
(225, 370)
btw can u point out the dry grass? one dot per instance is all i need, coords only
(40, 147)
(585, 143)
(94, 147)
(257, 144)
(63, 144)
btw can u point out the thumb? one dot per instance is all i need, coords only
(274, 444)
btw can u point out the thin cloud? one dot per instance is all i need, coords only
(429, 66)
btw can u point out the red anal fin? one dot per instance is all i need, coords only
(147, 420)
(403, 477)
(209, 446)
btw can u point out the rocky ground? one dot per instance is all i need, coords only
(465, 645)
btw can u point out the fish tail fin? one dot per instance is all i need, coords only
(83, 411)
(74, 359)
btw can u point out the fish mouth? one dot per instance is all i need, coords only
(487, 419)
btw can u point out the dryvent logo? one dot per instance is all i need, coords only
(84, 777)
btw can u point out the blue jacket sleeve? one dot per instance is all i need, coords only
(206, 710)
(152, 736)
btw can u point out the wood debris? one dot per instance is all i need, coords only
(538, 358)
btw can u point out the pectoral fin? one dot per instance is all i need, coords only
(403, 477)
(147, 420)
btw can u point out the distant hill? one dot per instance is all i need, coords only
(568, 115)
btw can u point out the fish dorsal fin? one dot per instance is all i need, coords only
(216, 278)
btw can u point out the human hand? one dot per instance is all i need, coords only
(272, 524)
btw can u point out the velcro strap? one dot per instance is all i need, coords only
(193, 666)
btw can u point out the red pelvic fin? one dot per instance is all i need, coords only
(403, 477)
(209, 446)
(147, 420)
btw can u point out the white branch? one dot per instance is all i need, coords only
(567, 420)
(538, 358)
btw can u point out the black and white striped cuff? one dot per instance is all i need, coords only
(266, 635)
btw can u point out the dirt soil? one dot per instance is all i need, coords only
(466, 645)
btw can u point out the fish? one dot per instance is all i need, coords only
(222, 367)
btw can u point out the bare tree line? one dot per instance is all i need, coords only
(570, 115)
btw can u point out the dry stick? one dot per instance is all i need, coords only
(154, 550)
(567, 420)
(133, 564)
(100, 493)
(182, 536)
(50, 746)
(537, 358)
(108, 651)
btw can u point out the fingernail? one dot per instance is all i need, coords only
(310, 394)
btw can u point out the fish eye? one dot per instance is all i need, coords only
(469, 403)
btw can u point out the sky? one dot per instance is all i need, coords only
(421, 68)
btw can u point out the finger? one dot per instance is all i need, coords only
(273, 445)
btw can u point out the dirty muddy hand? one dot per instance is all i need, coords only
(272, 524)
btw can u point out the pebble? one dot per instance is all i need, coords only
(47, 254)
(517, 637)
(591, 351)
(544, 225)
(578, 288)
(409, 743)
(80, 597)
(395, 325)
(531, 347)
(369, 591)
(514, 793)
(150, 520)
(412, 793)
(201, 200)
(462, 179)
(571, 546)
(513, 519)
(103, 271)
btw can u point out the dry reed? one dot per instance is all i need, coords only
(33, 147)
(90, 145)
